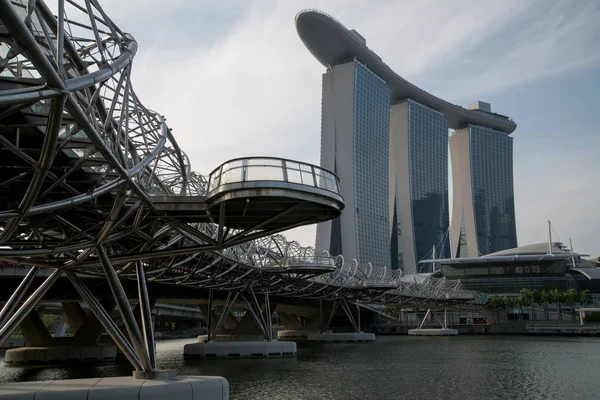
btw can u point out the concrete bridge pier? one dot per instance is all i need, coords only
(233, 330)
(294, 328)
(147, 381)
(252, 336)
(42, 348)
(326, 335)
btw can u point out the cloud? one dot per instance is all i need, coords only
(564, 38)
(420, 37)
(249, 93)
(233, 79)
(565, 190)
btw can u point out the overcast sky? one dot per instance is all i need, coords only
(234, 79)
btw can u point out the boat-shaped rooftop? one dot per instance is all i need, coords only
(331, 43)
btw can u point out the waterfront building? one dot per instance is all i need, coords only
(409, 177)
(532, 267)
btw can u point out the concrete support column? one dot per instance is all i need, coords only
(34, 331)
(61, 329)
(289, 320)
(90, 330)
(247, 325)
(75, 315)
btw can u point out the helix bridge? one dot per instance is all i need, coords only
(94, 184)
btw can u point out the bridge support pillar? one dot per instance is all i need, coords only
(442, 331)
(294, 329)
(42, 349)
(75, 315)
(247, 340)
(34, 331)
(325, 335)
(290, 321)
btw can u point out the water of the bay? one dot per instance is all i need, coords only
(395, 367)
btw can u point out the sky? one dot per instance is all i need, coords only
(233, 79)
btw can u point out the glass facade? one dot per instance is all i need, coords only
(504, 269)
(492, 186)
(371, 154)
(514, 285)
(583, 282)
(463, 247)
(510, 278)
(428, 158)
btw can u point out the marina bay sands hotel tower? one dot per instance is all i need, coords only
(387, 140)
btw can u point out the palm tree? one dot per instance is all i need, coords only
(585, 297)
(519, 302)
(499, 305)
(529, 299)
(390, 309)
(571, 297)
(546, 297)
(538, 297)
(557, 297)
(509, 302)
(563, 298)
(491, 306)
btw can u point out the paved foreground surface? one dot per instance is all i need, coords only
(180, 388)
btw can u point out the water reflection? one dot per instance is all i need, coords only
(464, 367)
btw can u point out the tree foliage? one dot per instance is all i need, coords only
(532, 297)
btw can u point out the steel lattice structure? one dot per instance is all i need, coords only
(83, 161)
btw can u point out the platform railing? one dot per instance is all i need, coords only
(309, 260)
(272, 169)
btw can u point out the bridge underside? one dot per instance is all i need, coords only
(63, 291)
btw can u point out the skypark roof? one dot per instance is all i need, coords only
(502, 259)
(331, 43)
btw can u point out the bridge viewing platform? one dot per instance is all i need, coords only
(266, 193)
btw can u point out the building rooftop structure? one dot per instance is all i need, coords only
(591, 263)
(531, 266)
(331, 43)
(528, 253)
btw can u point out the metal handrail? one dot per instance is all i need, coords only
(272, 169)
(308, 260)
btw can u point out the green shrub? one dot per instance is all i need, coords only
(592, 318)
